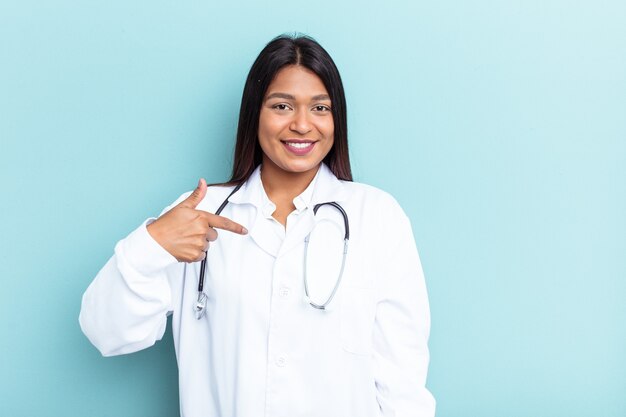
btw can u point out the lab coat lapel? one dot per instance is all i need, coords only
(264, 236)
(327, 188)
(299, 232)
(260, 230)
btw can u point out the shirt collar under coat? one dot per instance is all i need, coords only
(325, 188)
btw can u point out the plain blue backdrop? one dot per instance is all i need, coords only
(500, 126)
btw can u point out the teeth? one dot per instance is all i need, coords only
(299, 145)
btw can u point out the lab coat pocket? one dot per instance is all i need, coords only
(357, 320)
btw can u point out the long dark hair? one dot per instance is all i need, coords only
(282, 51)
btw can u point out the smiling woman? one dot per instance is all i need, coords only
(295, 60)
(295, 130)
(289, 331)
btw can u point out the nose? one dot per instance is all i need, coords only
(300, 122)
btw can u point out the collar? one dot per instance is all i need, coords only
(324, 188)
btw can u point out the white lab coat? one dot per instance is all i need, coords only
(260, 349)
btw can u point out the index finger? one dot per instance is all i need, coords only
(224, 223)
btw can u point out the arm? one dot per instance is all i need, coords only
(402, 327)
(125, 308)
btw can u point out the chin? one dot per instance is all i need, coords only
(298, 168)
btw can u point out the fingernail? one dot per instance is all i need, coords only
(199, 182)
(244, 230)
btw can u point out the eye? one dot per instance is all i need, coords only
(321, 108)
(281, 107)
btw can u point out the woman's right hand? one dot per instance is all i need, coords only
(186, 232)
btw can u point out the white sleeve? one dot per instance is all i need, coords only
(126, 306)
(402, 327)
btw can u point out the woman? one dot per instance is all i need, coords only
(287, 322)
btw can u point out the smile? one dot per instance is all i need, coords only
(299, 147)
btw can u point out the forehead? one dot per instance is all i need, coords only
(296, 80)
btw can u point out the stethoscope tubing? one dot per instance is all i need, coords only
(201, 302)
(217, 213)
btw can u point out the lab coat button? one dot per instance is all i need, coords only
(281, 361)
(284, 292)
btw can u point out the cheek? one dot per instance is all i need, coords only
(329, 130)
(330, 145)
(329, 135)
(329, 126)
(269, 127)
(262, 125)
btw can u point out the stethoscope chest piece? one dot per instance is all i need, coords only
(199, 307)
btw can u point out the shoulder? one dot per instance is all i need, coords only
(366, 194)
(375, 208)
(214, 197)
(375, 212)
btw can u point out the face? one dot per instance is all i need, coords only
(296, 123)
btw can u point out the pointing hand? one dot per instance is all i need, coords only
(186, 232)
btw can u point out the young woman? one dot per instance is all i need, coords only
(312, 301)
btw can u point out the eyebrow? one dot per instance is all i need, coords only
(290, 97)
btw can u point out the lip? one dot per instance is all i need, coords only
(299, 151)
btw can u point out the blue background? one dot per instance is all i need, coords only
(500, 126)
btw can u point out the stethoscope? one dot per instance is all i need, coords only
(200, 305)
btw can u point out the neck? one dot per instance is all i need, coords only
(281, 185)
